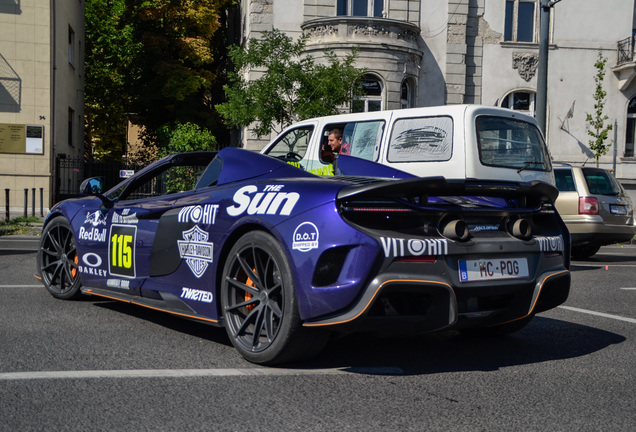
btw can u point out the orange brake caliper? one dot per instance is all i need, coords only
(248, 296)
(74, 269)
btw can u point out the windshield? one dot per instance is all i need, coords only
(510, 143)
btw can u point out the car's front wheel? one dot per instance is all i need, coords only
(57, 260)
(259, 304)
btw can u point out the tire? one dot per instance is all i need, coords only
(583, 252)
(57, 260)
(499, 330)
(259, 304)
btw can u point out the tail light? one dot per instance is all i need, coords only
(588, 206)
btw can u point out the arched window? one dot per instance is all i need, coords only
(631, 128)
(520, 101)
(372, 99)
(407, 91)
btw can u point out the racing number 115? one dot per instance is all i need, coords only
(122, 250)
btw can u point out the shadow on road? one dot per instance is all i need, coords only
(544, 339)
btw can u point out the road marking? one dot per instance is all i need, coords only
(600, 265)
(628, 289)
(183, 373)
(601, 314)
(21, 286)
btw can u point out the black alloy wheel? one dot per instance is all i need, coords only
(259, 304)
(58, 261)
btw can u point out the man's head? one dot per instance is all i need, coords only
(335, 140)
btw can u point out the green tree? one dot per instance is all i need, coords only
(183, 137)
(110, 50)
(597, 129)
(291, 88)
(153, 58)
(174, 71)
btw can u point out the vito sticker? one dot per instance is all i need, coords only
(400, 247)
(305, 237)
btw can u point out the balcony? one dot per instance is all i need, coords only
(369, 33)
(625, 68)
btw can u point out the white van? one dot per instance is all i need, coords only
(455, 141)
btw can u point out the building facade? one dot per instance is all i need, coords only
(41, 98)
(437, 52)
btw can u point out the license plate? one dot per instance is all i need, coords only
(503, 268)
(618, 209)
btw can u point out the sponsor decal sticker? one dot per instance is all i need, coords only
(196, 295)
(550, 244)
(270, 201)
(91, 259)
(125, 217)
(118, 283)
(305, 237)
(92, 234)
(91, 263)
(121, 250)
(205, 214)
(399, 247)
(196, 250)
(95, 218)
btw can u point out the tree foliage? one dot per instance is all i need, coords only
(292, 87)
(153, 58)
(110, 50)
(183, 137)
(597, 129)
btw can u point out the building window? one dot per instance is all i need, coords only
(71, 45)
(71, 116)
(371, 8)
(372, 99)
(406, 93)
(630, 133)
(520, 101)
(521, 19)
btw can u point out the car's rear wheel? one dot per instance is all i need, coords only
(583, 252)
(58, 261)
(259, 304)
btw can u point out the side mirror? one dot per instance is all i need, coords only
(92, 186)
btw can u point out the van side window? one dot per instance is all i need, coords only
(292, 146)
(360, 139)
(364, 138)
(421, 139)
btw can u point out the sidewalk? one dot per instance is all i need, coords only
(20, 228)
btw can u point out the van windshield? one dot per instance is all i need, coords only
(510, 143)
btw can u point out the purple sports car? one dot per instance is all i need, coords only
(283, 258)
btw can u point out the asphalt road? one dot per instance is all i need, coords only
(101, 365)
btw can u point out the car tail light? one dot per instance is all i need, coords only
(588, 205)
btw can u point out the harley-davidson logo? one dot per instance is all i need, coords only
(196, 250)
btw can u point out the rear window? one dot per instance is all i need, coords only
(421, 139)
(510, 143)
(601, 182)
(564, 180)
